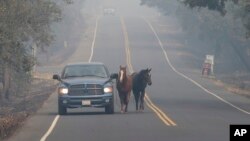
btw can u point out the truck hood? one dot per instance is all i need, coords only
(85, 80)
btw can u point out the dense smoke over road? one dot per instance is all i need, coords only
(220, 31)
(39, 37)
(203, 30)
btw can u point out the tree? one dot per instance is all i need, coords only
(213, 5)
(219, 25)
(219, 5)
(22, 23)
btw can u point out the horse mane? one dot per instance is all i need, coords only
(139, 78)
(140, 73)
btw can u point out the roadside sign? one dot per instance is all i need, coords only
(210, 59)
(209, 64)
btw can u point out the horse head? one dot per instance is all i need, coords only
(122, 74)
(147, 76)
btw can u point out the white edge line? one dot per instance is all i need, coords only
(53, 124)
(186, 77)
(93, 42)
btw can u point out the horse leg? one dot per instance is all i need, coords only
(127, 101)
(140, 106)
(136, 95)
(121, 101)
(142, 94)
(126, 107)
(124, 103)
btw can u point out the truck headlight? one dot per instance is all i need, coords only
(63, 91)
(108, 90)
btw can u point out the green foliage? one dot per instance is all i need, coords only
(218, 5)
(23, 23)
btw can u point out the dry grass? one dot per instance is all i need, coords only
(9, 123)
(236, 89)
(15, 111)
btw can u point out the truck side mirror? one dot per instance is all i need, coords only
(56, 77)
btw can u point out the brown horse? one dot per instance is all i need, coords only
(124, 86)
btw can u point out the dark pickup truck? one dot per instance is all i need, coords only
(85, 85)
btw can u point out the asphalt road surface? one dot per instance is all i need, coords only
(181, 106)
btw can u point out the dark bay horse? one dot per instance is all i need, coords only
(140, 82)
(124, 87)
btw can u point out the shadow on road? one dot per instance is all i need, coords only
(87, 113)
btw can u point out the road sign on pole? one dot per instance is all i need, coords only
(210, 59)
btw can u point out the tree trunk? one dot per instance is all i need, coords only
(6, 82)
(1, 91)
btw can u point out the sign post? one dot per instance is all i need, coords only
(210, 59)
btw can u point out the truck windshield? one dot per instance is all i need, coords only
(85, 71)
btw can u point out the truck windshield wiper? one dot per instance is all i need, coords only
(71, 76)
(93, 75)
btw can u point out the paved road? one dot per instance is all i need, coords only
(182, 106)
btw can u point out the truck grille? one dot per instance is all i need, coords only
(85, 89)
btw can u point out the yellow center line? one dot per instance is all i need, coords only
(163, 117)
(160, 111)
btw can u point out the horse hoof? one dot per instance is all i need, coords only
(141, 110)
